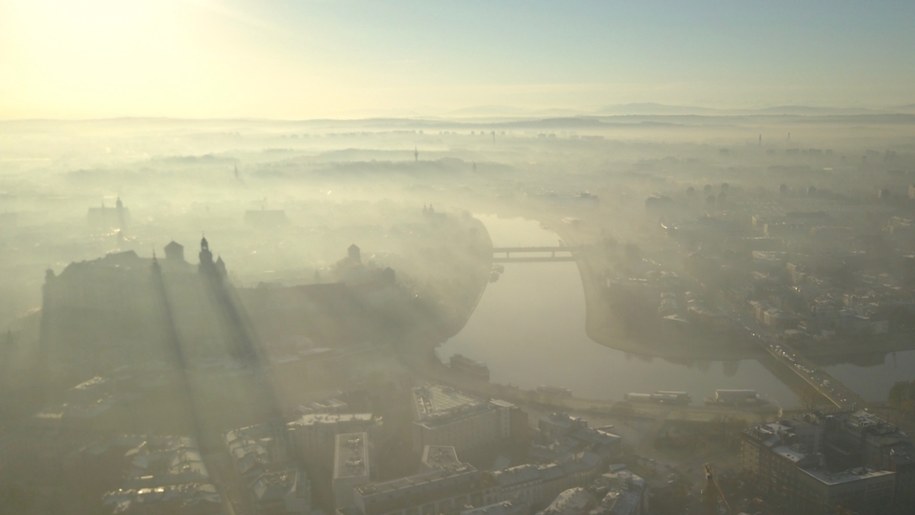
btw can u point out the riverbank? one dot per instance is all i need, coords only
(425, 365)
(685, 347)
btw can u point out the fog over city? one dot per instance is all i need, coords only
(433, 258)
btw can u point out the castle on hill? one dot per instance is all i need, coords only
(126, 309)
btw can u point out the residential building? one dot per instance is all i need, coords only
(444, 416)
(818, 463)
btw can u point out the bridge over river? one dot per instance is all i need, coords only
(533, 254)
(841, 396)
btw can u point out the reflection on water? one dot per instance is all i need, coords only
(873, 382)
(529, 328)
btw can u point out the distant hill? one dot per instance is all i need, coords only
(493, 112)
(655, 109)
(651, 108)
(816, 111)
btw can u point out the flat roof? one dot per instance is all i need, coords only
(440, 456)
(792, 455)
(434, 400)
(351, 456)
(421, 480)
(846, 476)
(312, 419)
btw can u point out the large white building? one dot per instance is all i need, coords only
(444, 416)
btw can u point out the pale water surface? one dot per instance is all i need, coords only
(529, 328)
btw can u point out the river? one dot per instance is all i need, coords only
(873, 382)
(529, 329)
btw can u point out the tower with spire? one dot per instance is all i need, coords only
(207, 265)
(122, 213)
(205, 256)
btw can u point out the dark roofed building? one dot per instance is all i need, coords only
(174, 250)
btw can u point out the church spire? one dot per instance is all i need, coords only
(206, 257)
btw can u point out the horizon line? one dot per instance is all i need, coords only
(899, 109)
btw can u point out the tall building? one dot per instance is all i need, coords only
(817, 464)
(352, 468)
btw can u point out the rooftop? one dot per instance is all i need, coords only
(276, 484)
(437, 400)
(789, 453)
(423, 481)
(440, 457)
(573, 500)
(351, 457)
(122, 500)
(317, 419)
(846, 476)
(499, 508)
(623, 502)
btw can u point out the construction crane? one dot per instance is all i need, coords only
(712, 494)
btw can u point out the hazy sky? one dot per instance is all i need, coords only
(314, 58)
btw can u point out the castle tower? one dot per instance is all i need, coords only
(122, 214)
(354, 254)
(206, 257)
(174, 251)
